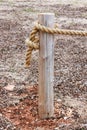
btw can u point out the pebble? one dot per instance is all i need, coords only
(9, 87)
(57, 128)
(65, 118)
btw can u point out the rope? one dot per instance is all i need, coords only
(33, 42)
(59, 31)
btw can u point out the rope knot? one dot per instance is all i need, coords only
(31, 44)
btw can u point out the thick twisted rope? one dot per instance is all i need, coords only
(33, 42)
(60, 31)
(32, 45)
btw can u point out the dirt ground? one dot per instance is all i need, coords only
(19, 106)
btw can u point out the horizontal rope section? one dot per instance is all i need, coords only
(33, 42)
(60, 31)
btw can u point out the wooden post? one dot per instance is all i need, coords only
(46, 68)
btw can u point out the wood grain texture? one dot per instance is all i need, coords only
(46, 68)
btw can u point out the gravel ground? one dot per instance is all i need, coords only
(70, 70)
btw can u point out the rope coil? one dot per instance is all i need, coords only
(33, 42)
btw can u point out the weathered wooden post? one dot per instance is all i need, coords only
(46, 68)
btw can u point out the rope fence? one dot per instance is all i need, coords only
(42, 38)
(33, 42)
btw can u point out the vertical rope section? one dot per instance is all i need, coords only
(32, 44)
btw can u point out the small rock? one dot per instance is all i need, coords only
(57, 128)
(0, 114)
(59, 100)
(9, 87)
(78, 82)
(40, 128)
(65, 118)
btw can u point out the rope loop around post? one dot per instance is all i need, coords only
(33, 42)
(56, 30)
